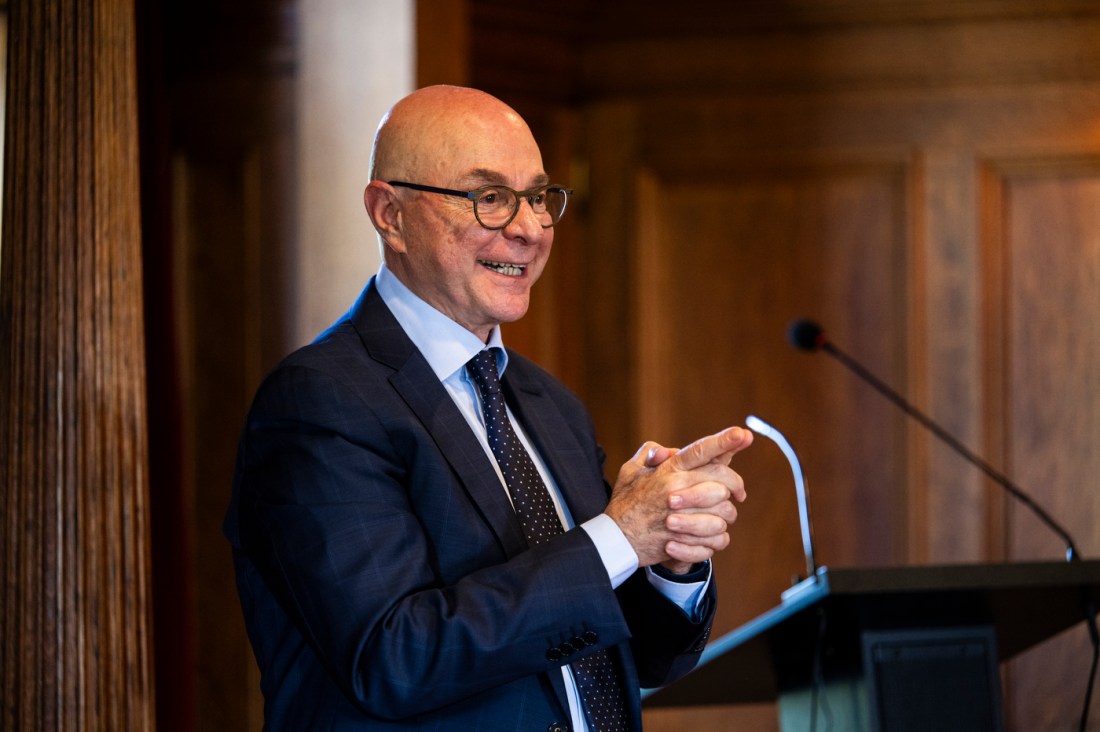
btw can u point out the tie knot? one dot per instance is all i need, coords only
(483, 370)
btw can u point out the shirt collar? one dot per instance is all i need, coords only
(445, 344)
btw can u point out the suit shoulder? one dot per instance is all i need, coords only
(334, 351)
(335, 365)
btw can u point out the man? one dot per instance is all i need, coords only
(422, 533)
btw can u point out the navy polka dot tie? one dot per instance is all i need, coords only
(599, 685)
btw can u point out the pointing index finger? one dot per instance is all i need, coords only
(719, 447)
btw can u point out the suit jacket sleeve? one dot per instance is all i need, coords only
(666, 644)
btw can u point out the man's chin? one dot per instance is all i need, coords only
(512, 317)
(511, 312)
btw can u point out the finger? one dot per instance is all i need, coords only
(677, 567)
(725, 510)
(647, 447)
(696, 524)
(657, 455)
(724, 444)
(707, 493)
(651, 454)
(689, 553)
(714, 543)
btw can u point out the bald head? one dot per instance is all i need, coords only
(439, 132)
(433, 147)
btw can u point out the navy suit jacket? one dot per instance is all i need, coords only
(384, 576)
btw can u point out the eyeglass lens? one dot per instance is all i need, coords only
(496, 206)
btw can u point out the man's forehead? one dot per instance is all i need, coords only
(490, 176)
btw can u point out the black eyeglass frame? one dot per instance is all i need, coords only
(473, 196)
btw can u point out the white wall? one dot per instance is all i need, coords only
(357, 59)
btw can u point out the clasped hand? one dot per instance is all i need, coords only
(675, 506)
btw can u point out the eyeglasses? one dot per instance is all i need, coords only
(496, 206)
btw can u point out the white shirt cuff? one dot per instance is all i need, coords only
(620, 561)
(619, 558)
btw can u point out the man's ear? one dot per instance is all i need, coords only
(384, 209)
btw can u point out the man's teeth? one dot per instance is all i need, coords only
(513, 270)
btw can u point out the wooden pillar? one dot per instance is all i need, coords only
(74, 619)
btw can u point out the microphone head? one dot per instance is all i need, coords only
(806, 335)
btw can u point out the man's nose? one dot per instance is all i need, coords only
(526, 222)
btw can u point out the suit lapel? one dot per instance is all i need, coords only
(416, 383)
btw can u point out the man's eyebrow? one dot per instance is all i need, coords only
(485, 176)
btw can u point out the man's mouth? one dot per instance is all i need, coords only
(512, 270)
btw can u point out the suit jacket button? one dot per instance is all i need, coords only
(566, 649)
(553, 655)
(579, 643)
(557, 727)
(591, 637)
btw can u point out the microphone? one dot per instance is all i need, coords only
(759, 426)
(806, 335)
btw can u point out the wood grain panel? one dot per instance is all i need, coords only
(773, 151)
(605, 283)
(1051, 309)
(221, 158)
(949, 510)
(1046, 280)
(725, 265)
(650, 18)
(218, 287)
(834, 58)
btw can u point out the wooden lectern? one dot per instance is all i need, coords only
(898, 649)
